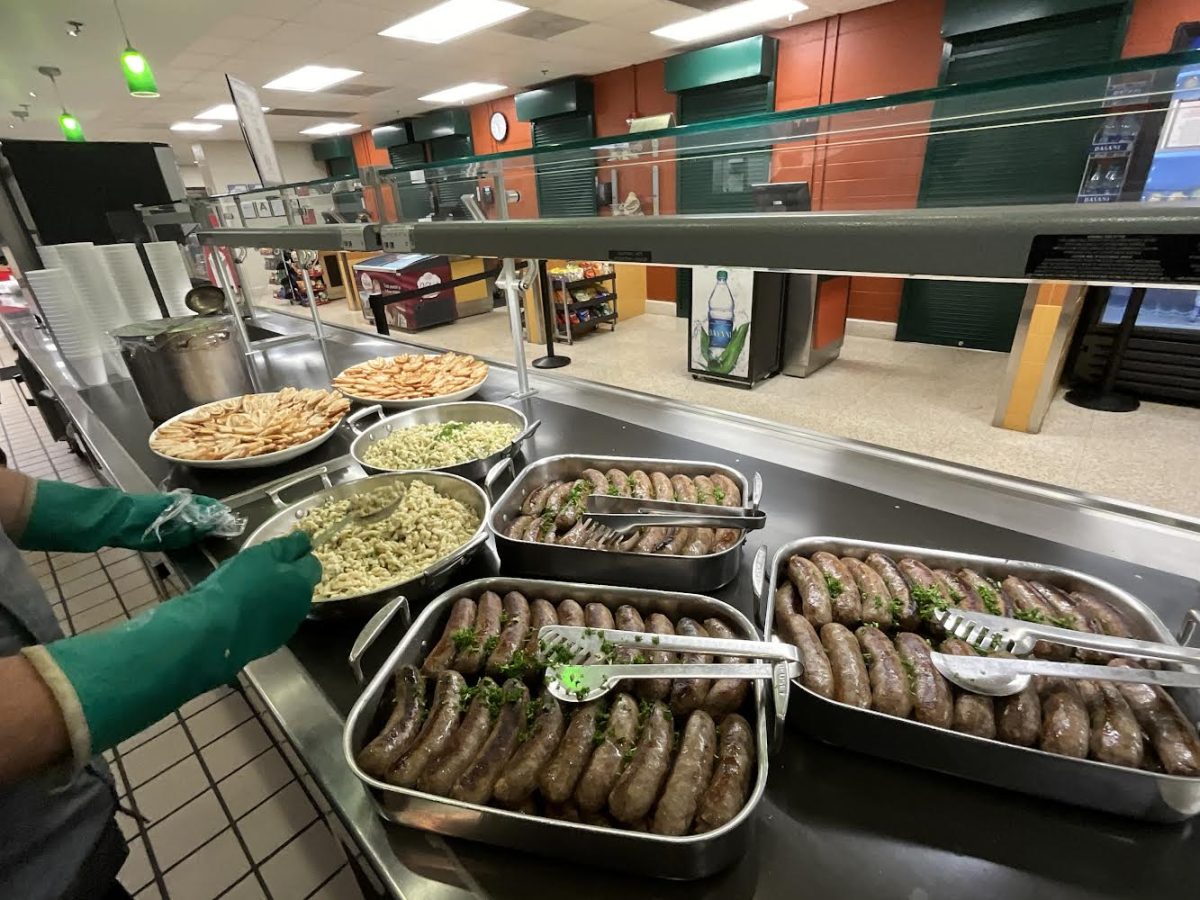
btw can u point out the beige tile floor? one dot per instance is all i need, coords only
(215, 802)
(932, 400)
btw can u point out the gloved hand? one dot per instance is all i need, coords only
(111, 684)
(82, 519)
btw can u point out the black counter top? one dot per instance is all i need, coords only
(833, 824)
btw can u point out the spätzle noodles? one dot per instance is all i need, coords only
(426, 527)
(439, 444)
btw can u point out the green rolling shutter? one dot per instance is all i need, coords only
(414, 198)
(1038, 163)
(451, 183)
(566, 184)
(717, 183)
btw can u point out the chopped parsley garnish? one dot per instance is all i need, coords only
(929, 601)
(1063, 622)
(718, 495)
(1030, 615)
(557, 656)
(639, 659)
(897, 608)
(833, 586)
(613, 491)
(655, 640)
(490, 644)
(465, 638)
(911, 672)
(519, 665)
(868, 657)
(990, 601)
(449, 429)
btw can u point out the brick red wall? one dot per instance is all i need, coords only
(884, 49)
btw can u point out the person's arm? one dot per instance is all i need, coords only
(106, 686)
(33, 733)
(16, 499)
(55, 515)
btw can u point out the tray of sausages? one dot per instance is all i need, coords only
(457, 734)
(541, 528)
(861, 615)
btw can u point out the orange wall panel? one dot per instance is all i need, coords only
(1152, 25)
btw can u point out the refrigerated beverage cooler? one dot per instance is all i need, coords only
(736, 325)
(1160, 358)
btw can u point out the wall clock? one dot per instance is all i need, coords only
(499, 126)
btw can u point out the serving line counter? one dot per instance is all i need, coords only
(833, 823)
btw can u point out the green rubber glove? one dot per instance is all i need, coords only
(111, 684)
(82, 519)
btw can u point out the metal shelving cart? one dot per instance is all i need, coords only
(565, 304)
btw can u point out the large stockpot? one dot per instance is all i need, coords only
(673, 573)
(415, 589)
(689, 857)
(474, 469)
(1082, 782)
(180, 363)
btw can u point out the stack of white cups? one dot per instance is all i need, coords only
(166, 259)
(96, 288)
(129, 275)
(76, 333)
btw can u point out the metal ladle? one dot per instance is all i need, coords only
(205, 300)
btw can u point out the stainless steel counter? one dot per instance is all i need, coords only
(833, 824)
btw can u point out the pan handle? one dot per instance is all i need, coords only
(781, 689)
(525, 435)
(468, 549)
(758, 572)
(495, 473)
(374, 628)
(756, 492)
(1191, 624)
(273, 491)
(354, 418)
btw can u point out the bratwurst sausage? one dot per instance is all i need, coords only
(403, 724)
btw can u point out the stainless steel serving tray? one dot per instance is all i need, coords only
(672, 573)
(1081, 782)
(428, 582)
(468, 411)
(689, 857)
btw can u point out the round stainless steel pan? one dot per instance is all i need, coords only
(474, 469)
(420, 587)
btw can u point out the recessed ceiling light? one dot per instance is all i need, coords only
(452, 19)
(739, 17)
(226, 112)
(195, 126)
(332, 128)
(462, 92)
(311, 78)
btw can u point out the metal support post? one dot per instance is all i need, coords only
(318, 325)
(236, 315)
(512, 295)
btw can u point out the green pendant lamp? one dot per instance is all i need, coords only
(139, 77)
(71, 127)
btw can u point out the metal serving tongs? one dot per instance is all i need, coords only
(1003, 676)
(580, 669)
(329, 532)
(621, 515)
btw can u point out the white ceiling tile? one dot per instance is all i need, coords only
(651, 14)
(247, 28)
(219, 46)
(593, 10)
(277, 9)
(204, 61)
(367, 19)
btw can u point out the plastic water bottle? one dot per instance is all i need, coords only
(720, 313)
